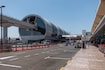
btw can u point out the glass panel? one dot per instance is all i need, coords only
(54, 30)
(40, 25)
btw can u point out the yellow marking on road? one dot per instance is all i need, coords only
(68, 62)
(61, 68)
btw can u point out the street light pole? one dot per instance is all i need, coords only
(1, 27)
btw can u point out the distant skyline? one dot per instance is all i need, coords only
(71, 15)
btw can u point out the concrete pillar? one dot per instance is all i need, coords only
(5, 36)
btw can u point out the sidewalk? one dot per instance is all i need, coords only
(87, 59)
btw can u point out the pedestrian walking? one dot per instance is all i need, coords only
(83, 45)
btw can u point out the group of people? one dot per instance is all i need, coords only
(78, 44)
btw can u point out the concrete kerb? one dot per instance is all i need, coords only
(63, 67)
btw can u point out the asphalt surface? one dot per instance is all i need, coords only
(52, 58)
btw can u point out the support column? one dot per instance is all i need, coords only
(5, 37)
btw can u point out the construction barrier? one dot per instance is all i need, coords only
(9, 47)
(5, 48)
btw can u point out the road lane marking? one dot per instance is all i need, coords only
(36, 54)
(62, 68)
(3, 58)
(14, 66)
(13, 59)
(65, 50)
(43, 52)
(20, 52)
(27, 56)
(48, 57)
(68, 62)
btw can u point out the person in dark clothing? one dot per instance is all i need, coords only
(84, 45)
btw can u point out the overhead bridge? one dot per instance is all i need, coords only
(9, 21)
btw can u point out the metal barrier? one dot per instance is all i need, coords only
(21, 47)
(5, 48)
(27, 47)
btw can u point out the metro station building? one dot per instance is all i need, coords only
(98, 28)
(32, 28)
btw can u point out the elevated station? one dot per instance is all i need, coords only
(32, 28)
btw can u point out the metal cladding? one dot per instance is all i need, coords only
(43, 29)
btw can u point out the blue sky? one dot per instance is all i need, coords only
(71, 15)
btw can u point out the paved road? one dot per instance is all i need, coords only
(52, 58)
